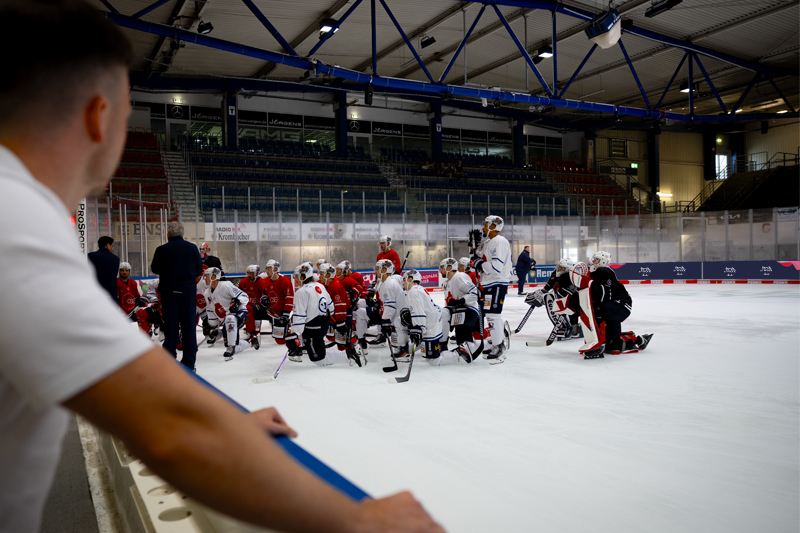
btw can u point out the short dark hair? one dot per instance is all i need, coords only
(53, 48)
(104, 241)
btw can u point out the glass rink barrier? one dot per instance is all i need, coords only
(241, 237)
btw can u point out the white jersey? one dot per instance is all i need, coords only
(221, 298)
(461, 286)
(424, 313)
(496, 269)
(310, 301)
(152, 291)
(392, 296)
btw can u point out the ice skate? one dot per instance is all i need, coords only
(255, 341)
(595, 353)
(229, 351)
(643, 341)
(364, 346)
(355, 356)
(464, 354)
(496, 355)
(212, 337)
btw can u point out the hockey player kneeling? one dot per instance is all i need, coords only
(564, 295)
(605, 304)
(423, 319)
(310, 323)
(228, 305)
(463, 313)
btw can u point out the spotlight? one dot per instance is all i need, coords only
(659, 7)
(426, 41)
(326, 25)
(685, 87)
(604, 29)
(545, 52)
(204, 27)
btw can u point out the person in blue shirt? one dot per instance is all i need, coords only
(106, 265)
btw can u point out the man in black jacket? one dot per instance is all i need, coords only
(179, 268)
(524, 264)
(106, 265)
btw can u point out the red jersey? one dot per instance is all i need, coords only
(359, 278)
(392, 256)
(127, 293)
(353, 288)
(340, 300)
(281, 295)
(254, 289)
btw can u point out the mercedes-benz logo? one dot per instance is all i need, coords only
(176, 111)
(354, 125)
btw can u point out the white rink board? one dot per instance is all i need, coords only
(697, 433)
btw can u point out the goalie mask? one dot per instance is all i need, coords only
(600, 259)
(205, 248)
(564, 265)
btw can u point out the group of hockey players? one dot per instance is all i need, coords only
(327, 316)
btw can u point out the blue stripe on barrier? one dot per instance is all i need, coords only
(300, 455)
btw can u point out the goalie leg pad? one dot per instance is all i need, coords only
(594, 338)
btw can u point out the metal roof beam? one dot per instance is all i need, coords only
(488, 30)
(305, 34)
(436, 21)
(421, 87)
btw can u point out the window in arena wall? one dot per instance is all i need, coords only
(210, 130)
(473, 149)
(285, 134)
(501, 150)
(386, 141)
(451, 147)
(252, 132)
(320, 138)
(417, 144)
(618, 148)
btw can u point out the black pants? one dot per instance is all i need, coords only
(614, 314)
(522, 279)
(471, 323)
(314, 338)
(179, 310)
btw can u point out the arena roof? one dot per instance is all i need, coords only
(734, 39)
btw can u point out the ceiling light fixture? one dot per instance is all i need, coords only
(545, 52)
(326, 25)
(408, 63)
(605, 29)
(592, 94)
(204, 28)
(656, 8)
(685, 87)
(782, 112)
(426, 41)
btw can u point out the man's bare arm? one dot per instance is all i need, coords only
(206, 448)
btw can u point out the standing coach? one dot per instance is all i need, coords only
(106, 265)
(179, 268)
(524, 264)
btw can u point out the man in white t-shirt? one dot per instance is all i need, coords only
(64, 101)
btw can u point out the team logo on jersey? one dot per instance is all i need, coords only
(319, 291)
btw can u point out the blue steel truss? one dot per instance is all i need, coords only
(554, 97)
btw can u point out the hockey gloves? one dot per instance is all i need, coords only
(476, 265)
(535, 299)
(386, 328)
(415, 334)
(142, 302)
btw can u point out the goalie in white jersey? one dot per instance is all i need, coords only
(310, 322)
(493, 267)
(423, 319)
(227, 304)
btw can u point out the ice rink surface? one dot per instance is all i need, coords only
(699, 433)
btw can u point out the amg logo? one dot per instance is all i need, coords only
(644, 270)
(766, 269)
(680, 269)
(730, 270)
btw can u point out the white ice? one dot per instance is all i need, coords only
(699, 433)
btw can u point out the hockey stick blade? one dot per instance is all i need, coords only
(408, 374)
(551, 338)
(391, 368)
(264, 380)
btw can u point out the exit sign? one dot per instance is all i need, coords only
(634, 165)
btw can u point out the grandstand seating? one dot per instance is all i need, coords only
(141, 166)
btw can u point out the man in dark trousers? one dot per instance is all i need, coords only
(179, 268)
(524, 264)
(106, 265)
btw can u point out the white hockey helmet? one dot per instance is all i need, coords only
(213, 273)
(384, 264)
(464, 262)
(600, 259)
(273, 264)
(321, 261)
(205, 248)
(385, 240)
(304, 272)
(412, 275)
(124, 265)
(564, 265)
(496, 221)
(327, 270)
(344, 266)
(252, 268)
(449, 264)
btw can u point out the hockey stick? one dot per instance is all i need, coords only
(272, 378)
(394, 361)
(408, 374)
(524, 319)
(402, 266)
